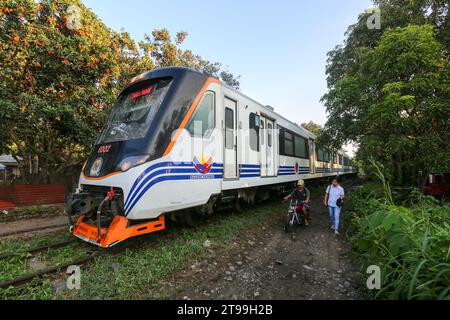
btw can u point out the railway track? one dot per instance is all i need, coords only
(37, 249)
(24, 279)
(27, 278)
(51, 228)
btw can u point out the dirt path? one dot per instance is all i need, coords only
(310, 263)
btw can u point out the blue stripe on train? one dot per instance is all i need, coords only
(170, 170)
(135, 188)
(144, 182)
(165, 178)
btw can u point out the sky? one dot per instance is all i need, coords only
(279, 48)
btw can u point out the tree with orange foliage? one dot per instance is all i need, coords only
(58, 82)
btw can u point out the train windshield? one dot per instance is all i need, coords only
(133, 113)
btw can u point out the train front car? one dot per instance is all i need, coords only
(133, 153)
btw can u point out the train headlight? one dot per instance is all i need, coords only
(133, 161)
(96, 167)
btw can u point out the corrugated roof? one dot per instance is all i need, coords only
(7, 159)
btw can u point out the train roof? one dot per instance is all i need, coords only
(173, 72)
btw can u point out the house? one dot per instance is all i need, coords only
(9, 168)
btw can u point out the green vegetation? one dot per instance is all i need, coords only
(148, 260)
(407, 235)
(389, 90)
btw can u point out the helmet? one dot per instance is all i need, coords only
(339, 202)
(301, 183)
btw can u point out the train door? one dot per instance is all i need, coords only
(270, 150)
(267, 148)
(230, 143)
(263, 148)
(312, 157)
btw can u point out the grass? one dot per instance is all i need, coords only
(152, 258)
(407, 235)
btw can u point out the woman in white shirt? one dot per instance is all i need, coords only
(333, 193)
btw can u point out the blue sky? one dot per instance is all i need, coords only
(278, 47)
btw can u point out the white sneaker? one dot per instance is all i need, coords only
(336, 232)
(332, 227)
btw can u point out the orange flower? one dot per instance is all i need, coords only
(52, 21)
(95, 60)
(15, 39)
(65, 62)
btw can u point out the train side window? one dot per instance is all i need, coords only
(269, 134)
(203, 122)
(288, 143)
(263, 130)
(319, 152)
(254, 124)
(229, 128)
(301, 147)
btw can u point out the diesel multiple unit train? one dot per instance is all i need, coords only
(176, 141)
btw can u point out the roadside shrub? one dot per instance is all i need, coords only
(409, 242)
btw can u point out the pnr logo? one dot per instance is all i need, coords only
(296, 168)
(203, 166)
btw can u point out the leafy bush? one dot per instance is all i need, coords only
(409, 242)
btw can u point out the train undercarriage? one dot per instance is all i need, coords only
(96, 213)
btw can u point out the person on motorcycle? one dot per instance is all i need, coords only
(301, 194)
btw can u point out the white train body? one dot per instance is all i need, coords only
(226, 144)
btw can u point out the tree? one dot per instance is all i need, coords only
(59, 77)
(313, 127)
(396, 104)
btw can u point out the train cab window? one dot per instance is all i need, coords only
(134, 112)
(269, 134)
(254, 124)
(229, 128)
(203, 122)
